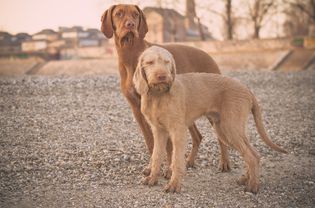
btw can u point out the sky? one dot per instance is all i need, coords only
(32, 16)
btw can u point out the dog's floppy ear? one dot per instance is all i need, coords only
(173, 70)
(140, 79)
(107, 26)
(143, 27)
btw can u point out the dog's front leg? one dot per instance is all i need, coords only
(160, 140)
(179, 140)
(169, 149)
(134, 101)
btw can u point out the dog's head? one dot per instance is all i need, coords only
(125, 21)
(155, 71)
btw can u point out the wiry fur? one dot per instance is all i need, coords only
(224, 101)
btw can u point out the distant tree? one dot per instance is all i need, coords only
(259, 11)
(227, 17)
(192, 20)
(300, 17)
(174, 4)
(192, 16)
(229, 21)
(305, 6)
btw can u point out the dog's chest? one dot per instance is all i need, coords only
(155, 111)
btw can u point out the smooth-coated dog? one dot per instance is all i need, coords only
(171, 103)
(128, 25)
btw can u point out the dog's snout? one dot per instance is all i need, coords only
(130, 24)
(161, 77)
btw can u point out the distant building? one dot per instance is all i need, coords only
(195, 30)
(167, 25)
(81, 43)
(34, 45)
(95, 33)
(47, 34)
(77, 37)
(73, 32)
(5, 38)
(52, 44)
(20, 37)
(12, 43)
(40, 41)
(94, 38)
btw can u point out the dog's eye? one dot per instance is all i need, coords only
(119, 14)
(135, 15)
(149, 62)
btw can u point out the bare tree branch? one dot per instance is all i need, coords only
(218, 13)
(302, 8)
(306, 7)
(227, 17)
(264, 11)
(258, 12)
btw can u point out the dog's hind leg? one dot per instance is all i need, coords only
(236, 138)
(251, 177)
(224, 165)
(196, 140)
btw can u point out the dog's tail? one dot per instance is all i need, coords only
(261, 129)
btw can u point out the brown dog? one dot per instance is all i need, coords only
(128, 26)
(171, 104)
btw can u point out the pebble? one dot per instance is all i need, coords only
(126, 158)
(311, 151)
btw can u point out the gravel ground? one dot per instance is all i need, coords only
(72, 142)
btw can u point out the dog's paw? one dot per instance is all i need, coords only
(242, 180)
(252, 188)
(146, 171)
(224, 166)
(168, 173)
(190, 164)
(172, 187)
(150, 181)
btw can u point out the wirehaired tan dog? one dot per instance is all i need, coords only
(171, 104)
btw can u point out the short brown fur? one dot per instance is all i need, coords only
(128, 26)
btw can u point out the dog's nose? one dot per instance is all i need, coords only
(129, 24)
(161, 77)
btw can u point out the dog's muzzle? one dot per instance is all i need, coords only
(128, 38)
(159, 88)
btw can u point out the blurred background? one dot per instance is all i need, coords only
(62, 37)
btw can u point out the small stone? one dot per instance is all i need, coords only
(204, 163)
(311, 151)
(249, 193)
(126, 158)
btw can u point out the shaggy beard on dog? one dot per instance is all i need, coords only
(160, 88)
